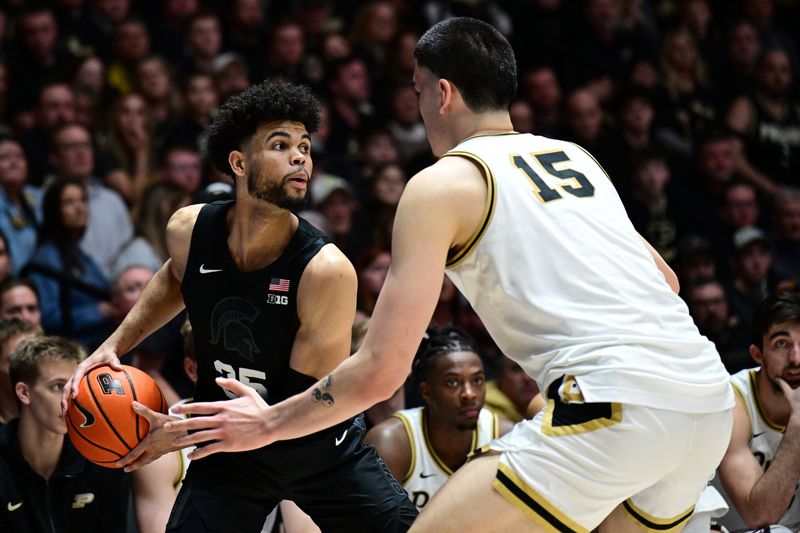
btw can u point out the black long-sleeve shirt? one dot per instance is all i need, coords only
(79, 497)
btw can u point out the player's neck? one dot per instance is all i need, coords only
(451, 444)
(258, 233)
(40, 448)
(475, 124)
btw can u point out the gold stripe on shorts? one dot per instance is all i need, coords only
(530, 502)
(651, 523)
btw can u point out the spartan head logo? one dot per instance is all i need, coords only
(231, 321)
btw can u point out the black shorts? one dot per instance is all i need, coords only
(332, 476)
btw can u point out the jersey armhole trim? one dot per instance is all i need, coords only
(740, 394)
(488, 210)
(410, 434)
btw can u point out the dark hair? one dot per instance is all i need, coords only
(475, 57)
(241, 115)
(774, 309)
(53, 229)
(14, 282)
(436, 342)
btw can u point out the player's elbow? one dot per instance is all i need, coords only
(760, 516)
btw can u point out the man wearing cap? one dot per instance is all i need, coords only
(335, 199)
(751, 261)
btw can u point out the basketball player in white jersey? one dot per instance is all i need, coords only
(423, 446)
(533, 233)
(761, 469)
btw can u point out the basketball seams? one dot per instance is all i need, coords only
(133, 393)
(103, 413)
(77, 431)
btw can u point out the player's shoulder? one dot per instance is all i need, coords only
(391, 432)
(184, 218)
(329, 265)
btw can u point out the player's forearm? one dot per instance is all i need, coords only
(773, 492)
(355, 385)
(160, 301)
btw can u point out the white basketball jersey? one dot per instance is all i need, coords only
(764, 441)
(565, 286)
(427, 472)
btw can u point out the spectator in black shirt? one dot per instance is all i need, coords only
(46, 485)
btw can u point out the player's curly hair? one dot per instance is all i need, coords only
(436, 342)
(239, 118)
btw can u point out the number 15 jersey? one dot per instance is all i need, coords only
(565, 286)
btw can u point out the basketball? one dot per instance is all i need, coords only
(101, 422)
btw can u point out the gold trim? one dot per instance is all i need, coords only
(742, 399)
(498, 134)
(759, 407)
(527, 489)
(410, 433)
(459, 256)
(181, 470)
(576, 429)
(495, 425)
(679, 519)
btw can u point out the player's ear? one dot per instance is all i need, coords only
(756, 354)
(23, 392)
(446, 94)
(425, 392)
(237, 162)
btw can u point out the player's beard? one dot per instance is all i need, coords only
(274, 194)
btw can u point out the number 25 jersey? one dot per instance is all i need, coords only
(565, 286)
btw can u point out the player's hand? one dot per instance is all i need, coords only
(791, 395)
(102, 356)
(154, 445)
(229, 426)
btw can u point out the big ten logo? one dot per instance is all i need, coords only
(277, 299)
(419, 498)
(255, 379)
(110, 385)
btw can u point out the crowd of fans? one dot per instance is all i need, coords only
(691, 106)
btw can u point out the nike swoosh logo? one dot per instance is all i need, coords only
(757, 435)
(423, 475)
(14, 507)
(86, 414)
(341, 439)
(204, 270)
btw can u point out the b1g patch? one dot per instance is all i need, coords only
(277, 299)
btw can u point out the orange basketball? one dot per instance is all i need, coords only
(101, 422)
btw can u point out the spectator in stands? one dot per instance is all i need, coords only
(55, 107)
(751, 265)
(12, 332)
(109, 226)
(696, 259)
(46, 482)
(334, 198)
(510, 392)
(200, 103)
(371, 268)
(19, 299)
(541, 88)
(74, 293)
(584, 119)
(285, 56)
(155, 83)
(787, 236)
(709, 308)
(244, 31)
(129, 138)
(635, 113)
(522, 116)
(131, 44)
(203, 42)
(20, 204)
(736, 74)
(406, 124)
(181, 166)
(231, 75)
(350, 90)
(148, 247)
(768, 121)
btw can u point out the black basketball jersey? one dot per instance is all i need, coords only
(774, 142)
(244, 323)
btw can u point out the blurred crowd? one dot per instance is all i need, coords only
(691, 106)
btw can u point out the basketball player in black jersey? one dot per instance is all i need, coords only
(272, 303)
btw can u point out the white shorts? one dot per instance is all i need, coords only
(575, 462)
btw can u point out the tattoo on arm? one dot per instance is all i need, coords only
(322, 392)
